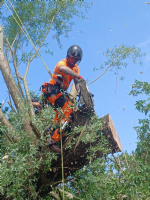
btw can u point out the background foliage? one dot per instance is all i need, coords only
(126, 176)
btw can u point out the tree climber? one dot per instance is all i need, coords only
(65, 70)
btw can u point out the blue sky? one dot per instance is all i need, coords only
(108, 23)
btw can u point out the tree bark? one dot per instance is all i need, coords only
(12, 87)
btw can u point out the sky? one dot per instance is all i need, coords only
(109, 23)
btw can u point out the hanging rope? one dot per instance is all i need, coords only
(62, 163)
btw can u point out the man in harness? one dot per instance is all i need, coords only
(65, 70)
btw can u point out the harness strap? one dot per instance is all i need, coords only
(59, 81)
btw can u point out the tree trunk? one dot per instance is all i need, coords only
(11, 85)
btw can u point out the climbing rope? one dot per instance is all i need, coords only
(26, 34)
(62, 161)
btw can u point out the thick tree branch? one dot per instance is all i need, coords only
(6, 51)
(20, 77)
(1, 43)
(17, 42)
(11, 106)
(12, 87)
(23, 53)
(28, 97)
(35, 130)
(11, 48)
(14, 92)
(16, 69)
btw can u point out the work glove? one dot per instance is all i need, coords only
(80, 77)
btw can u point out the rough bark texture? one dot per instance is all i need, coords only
(12, 87)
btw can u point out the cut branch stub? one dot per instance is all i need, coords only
(74, 160)
(109, 131)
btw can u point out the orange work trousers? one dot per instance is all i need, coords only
(64, 103)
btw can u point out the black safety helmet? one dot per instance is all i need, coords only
(76, 52)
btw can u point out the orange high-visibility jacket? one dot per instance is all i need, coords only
(63, 78)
